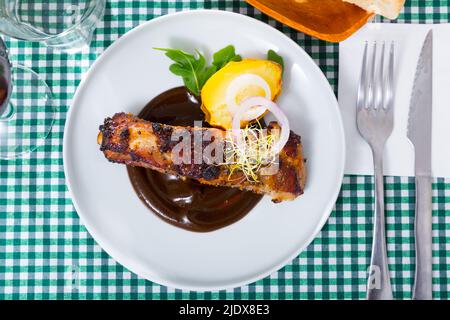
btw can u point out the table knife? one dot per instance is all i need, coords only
(419, 132)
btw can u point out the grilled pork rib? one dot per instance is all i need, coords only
(132, 141)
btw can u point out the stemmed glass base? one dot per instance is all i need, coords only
(27, 120)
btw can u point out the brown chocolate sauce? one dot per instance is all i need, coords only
(186, 203)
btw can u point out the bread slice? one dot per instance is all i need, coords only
(387, 8)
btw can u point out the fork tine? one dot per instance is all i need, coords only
(389, 99)
(380, 88)
(371, 86)
(362, 88)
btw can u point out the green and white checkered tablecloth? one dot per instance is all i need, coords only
(46, 253)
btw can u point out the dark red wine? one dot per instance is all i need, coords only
(3, 91)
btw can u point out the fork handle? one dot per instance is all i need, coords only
(379, 283)
(423, 288)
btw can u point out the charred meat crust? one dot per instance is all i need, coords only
(164, 134)
(128, 140)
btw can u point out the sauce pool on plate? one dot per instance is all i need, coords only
(186, 203)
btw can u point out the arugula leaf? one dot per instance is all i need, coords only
(204, 76)
(275, 57)
(192, 69)
(225, 55)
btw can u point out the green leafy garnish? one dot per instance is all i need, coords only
(225, 55)
(275, 57)
(193, 68)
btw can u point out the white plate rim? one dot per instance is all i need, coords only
(153, 277)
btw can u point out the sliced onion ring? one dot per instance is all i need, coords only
(240, 82)
(268, 105)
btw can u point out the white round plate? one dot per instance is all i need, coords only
(125, 78)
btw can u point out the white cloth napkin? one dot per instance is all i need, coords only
(399, 154)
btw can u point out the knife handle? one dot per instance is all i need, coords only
(423, 286)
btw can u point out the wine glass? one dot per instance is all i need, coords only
(26, 103)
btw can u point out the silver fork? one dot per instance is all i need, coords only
(375, 120)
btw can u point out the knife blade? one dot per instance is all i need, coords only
(419, 132)
(6, 85)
